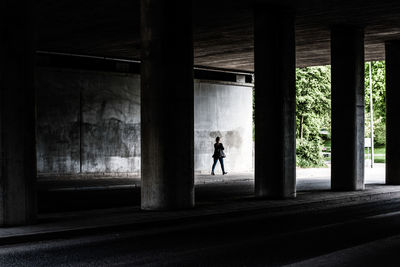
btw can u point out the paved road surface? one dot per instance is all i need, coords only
(246, 240)
(350, 235)
(208, 188)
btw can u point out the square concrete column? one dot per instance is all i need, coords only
(167, 105)
(275, 102)
(347, 59)
(17, 114)
(392, 112)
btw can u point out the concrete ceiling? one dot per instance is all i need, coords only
(223, 30)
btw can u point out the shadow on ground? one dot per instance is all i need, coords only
(85, 194)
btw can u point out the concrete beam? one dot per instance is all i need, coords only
(347, 56)
(167, 105)
(17, 114)
(392, 112)
(275, 103)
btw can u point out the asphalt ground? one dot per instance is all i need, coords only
(340, 236)
(58, 194)
(228, 227)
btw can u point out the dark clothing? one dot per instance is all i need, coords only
(218, 147)
(221, 161)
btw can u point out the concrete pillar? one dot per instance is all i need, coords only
(17, 114)
(347, 59)
(275, 103)
(392, 112)
(167, 105)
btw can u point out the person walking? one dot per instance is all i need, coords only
(219, 154)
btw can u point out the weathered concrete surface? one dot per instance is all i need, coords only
(17, 114)
(223, 110)
(347, 52)
(111, 123)
(275, 103)
(167, 105)
(108, 139)
(58, 128)
(88, 122)
(392, 112)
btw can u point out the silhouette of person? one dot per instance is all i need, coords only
(218, 155)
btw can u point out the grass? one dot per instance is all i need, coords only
(380, 150)
(377, 150)
(379, 159)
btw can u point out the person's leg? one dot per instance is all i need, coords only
(213, 166)
(221, 161)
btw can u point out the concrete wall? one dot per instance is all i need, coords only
(58, 121)
(224, 110)
(89, 122)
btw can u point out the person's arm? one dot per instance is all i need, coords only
(222, 147)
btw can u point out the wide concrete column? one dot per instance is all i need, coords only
(347, 59)
(167, 105)
(275, 102)
(392, 112)
(17, 114)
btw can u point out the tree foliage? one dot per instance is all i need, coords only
(313, 107)
(313, 110)
(379, 102)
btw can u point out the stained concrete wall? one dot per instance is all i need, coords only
(224, 110)
(58, 121)
(89, 122)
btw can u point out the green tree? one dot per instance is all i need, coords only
(379, 102)
(313, 107)
(313, 110)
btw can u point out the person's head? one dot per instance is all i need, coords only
(217, 139)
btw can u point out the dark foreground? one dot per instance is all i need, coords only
(255, 239)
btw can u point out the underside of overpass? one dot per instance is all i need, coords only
(145, 86)
(223, 30)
